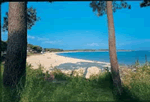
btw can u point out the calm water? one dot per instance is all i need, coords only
(127, 58)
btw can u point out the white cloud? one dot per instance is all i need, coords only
(93, 44)
(30, 37)
(44, 40)
(51, 42)
(41, 39)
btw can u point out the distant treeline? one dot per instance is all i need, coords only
(38, 49)
(52, 50)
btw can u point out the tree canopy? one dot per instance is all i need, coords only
(145, 3)
(100, 6)
(34, 47)
(31, 19)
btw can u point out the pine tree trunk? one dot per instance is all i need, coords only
(112, 49)
(0, 59)
(0, 37)
(15, 63)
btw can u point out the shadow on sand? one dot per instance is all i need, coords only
(71, 66)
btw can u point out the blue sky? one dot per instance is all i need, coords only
(73, 25)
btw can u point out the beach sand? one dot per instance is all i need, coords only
(66, 64)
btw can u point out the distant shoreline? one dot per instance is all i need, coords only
(88, 51)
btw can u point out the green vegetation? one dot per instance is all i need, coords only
(3, 45)
(139, 82)
(53, 50)
(76, 88)
(31, 19)
(36, 48)
(145, 3)
(3, 49)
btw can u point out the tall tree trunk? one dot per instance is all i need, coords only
(0, 58)
(0, 36)
(112, 49)
(15, 63)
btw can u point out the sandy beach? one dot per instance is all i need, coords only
(66, 64)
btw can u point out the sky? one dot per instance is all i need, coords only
(73, 25)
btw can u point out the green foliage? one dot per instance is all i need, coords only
(37, 48)
(145, 3)
(53, 49)
(31, 19)
(97, 88)
(3, 45)
(101, 8)
(30, 45)
(34, 47)
(76, 89)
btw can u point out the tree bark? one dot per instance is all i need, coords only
(112, 50)
(0, 58)
(15, 63)
(0, 37)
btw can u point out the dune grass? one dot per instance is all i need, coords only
(139, 82)
(97, 88)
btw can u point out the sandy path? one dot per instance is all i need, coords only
(52, 59)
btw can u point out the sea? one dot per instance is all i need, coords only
(124, 57)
